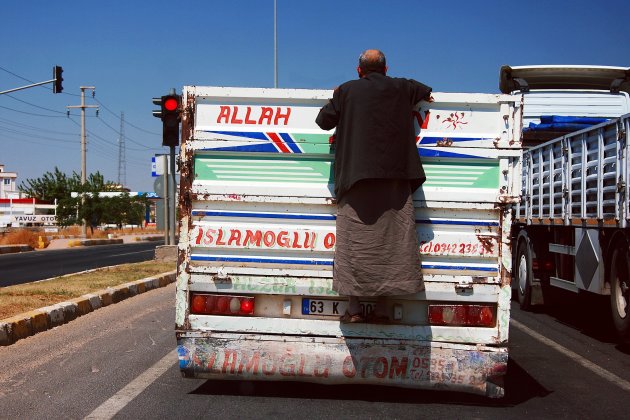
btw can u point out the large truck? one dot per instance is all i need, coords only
(571, 228)
(254, 297)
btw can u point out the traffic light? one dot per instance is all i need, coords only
(170, 115)
(57, 87)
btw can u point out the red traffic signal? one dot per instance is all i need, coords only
(170, 115)
(171, 103)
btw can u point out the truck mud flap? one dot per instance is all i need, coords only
(408, 364)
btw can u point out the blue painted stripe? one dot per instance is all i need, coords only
(260, 260)
(246, 134)
(301, 216)
(458, 267)
(323, 262)
(456, 222)
(289, 141)
(431, 152)
(298, 216)
(262, 147)
(435, 140)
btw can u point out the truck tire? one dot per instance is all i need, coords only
(524, 274)
(620, 290)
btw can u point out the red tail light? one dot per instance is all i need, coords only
(463, 315)
(205, 304)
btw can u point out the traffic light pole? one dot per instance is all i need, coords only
(57, 81)
(170, 114)
(26, 87)
(174, 198)
(165, 194)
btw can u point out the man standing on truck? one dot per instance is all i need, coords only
(377, 169)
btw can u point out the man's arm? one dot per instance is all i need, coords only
(328, 116)
(419, 92)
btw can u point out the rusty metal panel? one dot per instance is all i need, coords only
(474, 369)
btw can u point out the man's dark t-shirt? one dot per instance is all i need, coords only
(375, 133)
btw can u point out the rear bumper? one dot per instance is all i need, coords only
(409, 364)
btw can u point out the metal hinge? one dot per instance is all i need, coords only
(221, 276)
(464, 287)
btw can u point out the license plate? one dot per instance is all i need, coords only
(328, 307)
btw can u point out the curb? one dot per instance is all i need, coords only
(148, 238)
(9, 249)
(42, 319)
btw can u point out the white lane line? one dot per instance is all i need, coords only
(130, 253)
(112, 406)
(611, 377)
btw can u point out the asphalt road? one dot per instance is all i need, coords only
(562, 365)
(25, 267)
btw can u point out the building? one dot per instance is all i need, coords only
(18, 211)
(8, 184)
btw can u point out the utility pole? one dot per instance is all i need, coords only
(83, 145)
(122, 161)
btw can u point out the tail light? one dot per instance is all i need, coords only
(462, 315)
(205, 304)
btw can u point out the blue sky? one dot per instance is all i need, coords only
(132, 51)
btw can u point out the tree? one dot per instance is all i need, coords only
(51, 186)
(71, 210)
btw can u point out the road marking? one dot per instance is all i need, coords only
(112, 406)
(130, 253)
(611, 377)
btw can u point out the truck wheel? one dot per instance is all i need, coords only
(620, 290)
(524, 274)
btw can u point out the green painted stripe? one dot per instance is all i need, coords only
(298, 168)
(312, 143)
(462, 175)
(292, 168)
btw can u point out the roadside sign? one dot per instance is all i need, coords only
(34, 218)
(157, 167)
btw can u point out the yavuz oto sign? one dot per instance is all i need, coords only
(34, 218)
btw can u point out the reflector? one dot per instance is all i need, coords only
(216, 304)
(461, 315)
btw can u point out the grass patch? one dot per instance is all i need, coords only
(21, 298)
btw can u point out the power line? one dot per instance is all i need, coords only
(30, 135)
(130, 139)
(34, 128)
(36, 106)
(32, 113)
(109, 142)
(126, 122)
(76, 95)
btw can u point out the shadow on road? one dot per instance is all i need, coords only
(584, 312)
(520, 387)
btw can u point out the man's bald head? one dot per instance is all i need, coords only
(372, 61)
